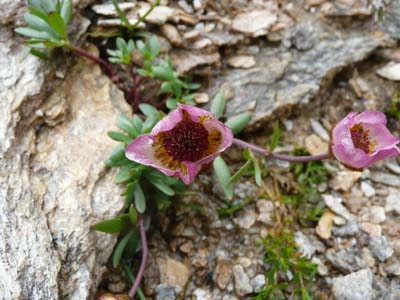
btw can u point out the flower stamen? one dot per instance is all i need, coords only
(362, 139)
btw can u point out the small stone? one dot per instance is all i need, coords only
(173, 272)
(375, 215)
(390, 71)
(386, 179)
(374, 230)
(393, 167)
(202, 43)
(381, 248)
(367, 189)
(229, 93)
(242, 281)
(320, 130)
(345, 180)
(167, 292)
(258, 283)
(201, 294)
(325, 224)
(393, 201)
(223, 274)
(246, 218)
(172, 34)
(393, 269)
(109, 9)
(254, 23)
(368, 257)
(118, 287)
(245, 262)
(186, 247)
(322, 268)
(306, 248)
(109, 296)
(315, 145)
(355, 286)
(159, 15)
(242, 61)
(266, 212)
(188, 60)
(340, 221)
(346, 260)
(201, 98)
(337, 207)
(349, 229)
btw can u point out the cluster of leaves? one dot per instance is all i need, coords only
(47, 23)
(288, 272)
(306, 199)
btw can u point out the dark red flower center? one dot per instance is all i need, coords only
(187, 141)
(361, 138)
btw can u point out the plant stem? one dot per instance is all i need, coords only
(142, 18)
(285, 157)
(131, 278)
(144, 259)
(110, 71)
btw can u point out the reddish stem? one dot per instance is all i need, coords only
(285, 157)
(110, 71)
(142, 267)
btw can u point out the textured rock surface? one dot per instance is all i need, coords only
(53, 184)
(298, 70)
(355, 286)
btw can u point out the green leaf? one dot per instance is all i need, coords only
(147, 109)
(222, 171)
(140, 200)
(132, 246)
(129, 125)
(239, 122)
(38, 24)
(171, 103)
(163, 73)
(40, 54)
(218, 104)
(119, 250)
(239, 173)
(66, 11)
(275, 137)
(110, 226)
(57, 23)
(32, 33)
(117, 157)
(257, 171)
(123, 175)
(119, 137)
(132, 215)
(154, 46)
(163, 187)
(39, 13)
(120, 42)
(149, 123)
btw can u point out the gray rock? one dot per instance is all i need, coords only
(305, 246)
(258, 283)
(337, 207)
(346, 260)
(390, 20)
(53, 183)
(385, 178)
(393, 201)
(284, 77)
(242, 281)
(167, 292)
(381, 248)
(349, 229)
(355, 286)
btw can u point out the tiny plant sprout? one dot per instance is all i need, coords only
(182, 142)
(359, 140)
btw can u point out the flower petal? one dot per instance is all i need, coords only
(371, 116)
(351, 157)
(381, 135)
(382, 154)
(341, 132)
(195, 112)
(192, 170)
(168, 122)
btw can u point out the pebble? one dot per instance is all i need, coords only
(304, 245)
(201, 98)
(393, 201)
(201, 294)
(325, 224)
(258, 283)
(381, 248)
(386, 179)
(246, 218)
(172, 34)
(322, 268)
(355, 286)
(349, 229)
(167, 292)
(242, 61)
(254, 23)
(223, 274)
(390, 71)
(367, 189)
(395, 168)
(374, 230)
(266, 212)
(315, 145)
(319, 130)
(344, 180)
(335, 204)
(346, 260)
(173, 272)
(242, 281)
(375, 215)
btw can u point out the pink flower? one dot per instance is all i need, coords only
(181, 143)
(360, 140)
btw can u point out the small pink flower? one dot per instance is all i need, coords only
(181, 142)
(360, 140)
